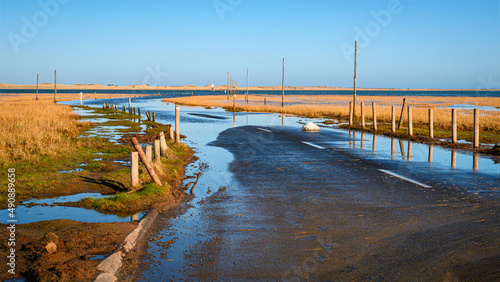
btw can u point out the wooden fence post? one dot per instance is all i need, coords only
(55, 86)
(362, 115)
(134, 110)
(37, 86)
(402, 111)
(454, 125)
(177, 124)
(149, 153)
(393, 119)
(431, 123)
(163, 144)
(150, 169)
(171, 133)
(138, 111)
(374, 110)
(134, 169)
(476, 128)
(157, 151)
(129, 105)
(154, 116)
(410, 121)
(350, 113)
(124, 109)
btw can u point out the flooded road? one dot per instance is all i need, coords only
(276, 203)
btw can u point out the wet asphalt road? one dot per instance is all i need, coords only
(304, 208)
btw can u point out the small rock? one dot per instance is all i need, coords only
(310, 127)
(51, 248)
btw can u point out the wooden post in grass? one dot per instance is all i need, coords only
(454, 125)
(431, 123)
(148, 115)
(410, 121)
(350, 114)
(37, 86)
(55, 85)
(163, 144)
(283, 85)
(234, 101)
(177, 124)
(171, 133)
(150, 169)
(402, 111)
(149, 153)
(393, 119)
(129, 105)
(374, 110)
(103, 106)
(265, 102)
(157, 150)
(116, 108)
(476, 128)
(362, 115)
(138, 111)
(81, 102)
(124, 109)
(355, 66)
(154, 116)
(134, 110)
(134, 169)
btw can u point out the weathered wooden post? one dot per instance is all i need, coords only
(129, 105)
(393, 119)
(124, 109)
(350, 113)
(134, 169)
(265, 102)
(453, 158)
(283, 85)
(154, 117)
(163, 144)
(247, 86)
(431, 123)
(402, 112)
(374, 110)
(138, 111)
(454, 125)
(55, 85)
(150, 169)
(171, 133)
(410, 121)
(355, 66)
(476, 128)
(177, 124)
(116, 108)
(362, 116)
(234, 101)
(134, 109)
(149, 153)
(157, 150)
(37, 86)
(103, 106)
(81, 102)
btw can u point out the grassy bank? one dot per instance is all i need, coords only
(335, 109)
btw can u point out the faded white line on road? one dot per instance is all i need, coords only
(264, 129)
(405, 178)
(313, 145)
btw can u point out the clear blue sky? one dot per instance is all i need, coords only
(401, 44)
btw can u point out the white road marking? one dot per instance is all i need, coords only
(313, 145)
(405, 178)
(264, 129)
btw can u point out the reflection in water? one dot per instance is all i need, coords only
(374, 146)
(393, 148)
(362, 140)
(402, 148)
(410, 149)
(453, 158)
(350, 139)
(431, 152)
(475, 162)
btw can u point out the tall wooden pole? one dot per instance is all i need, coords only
(55, 86)
(247, 86)
(355, 65)
(283, 85)
(475, 142)
(37, 75)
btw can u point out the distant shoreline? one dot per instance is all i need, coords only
(217, 88)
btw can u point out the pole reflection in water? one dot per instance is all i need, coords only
(374, 146)
(402, 148)
(354, 139)
(453, 158)
(431, 151)
(362, 140)
(410, 149)
(475, 162)
(350, 139)
(283, 120)
(393, 148)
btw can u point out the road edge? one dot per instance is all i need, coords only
(109, 267)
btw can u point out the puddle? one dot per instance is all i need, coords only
(63, 199)
(98, 257)
(71, 170)
(125, 163)
(471, 107)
